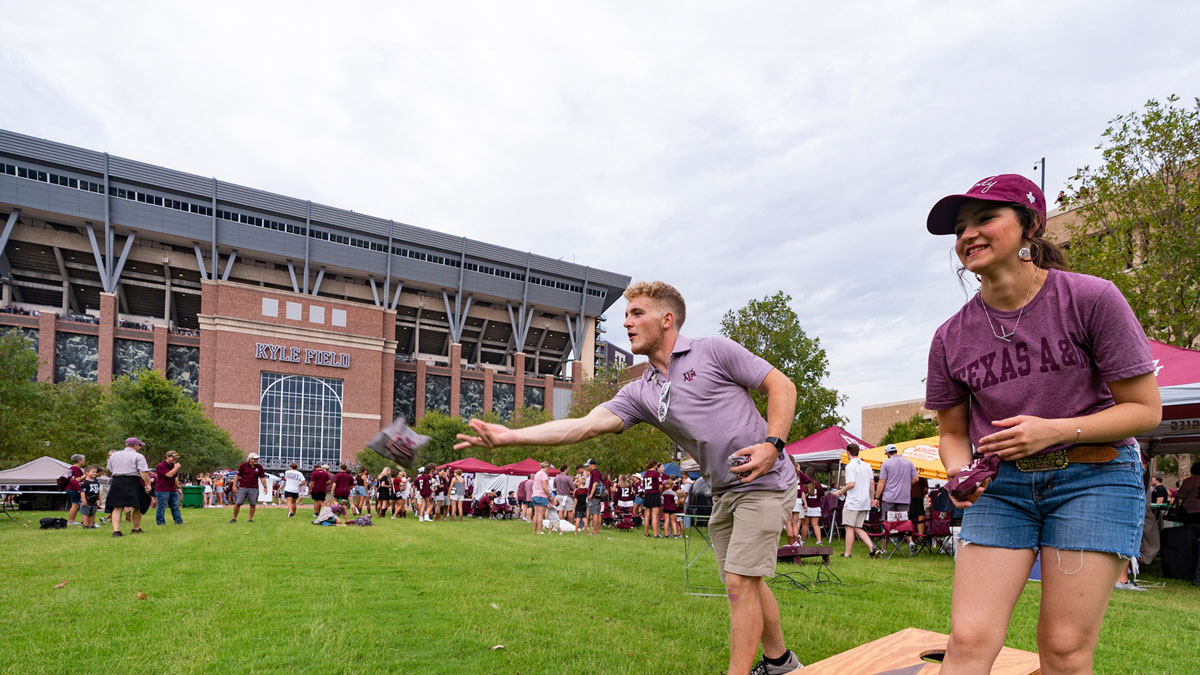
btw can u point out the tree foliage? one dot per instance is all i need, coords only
(1140, 215)
(152, 408)
(20, 401)
(771, 329)
(910, 430)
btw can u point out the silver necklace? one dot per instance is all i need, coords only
(1003, 334)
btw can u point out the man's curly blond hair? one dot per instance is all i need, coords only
(663, 294)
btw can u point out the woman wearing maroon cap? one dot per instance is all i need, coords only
(1051, 372)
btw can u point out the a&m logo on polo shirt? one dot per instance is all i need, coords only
(689, 375)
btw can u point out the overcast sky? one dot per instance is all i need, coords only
(732, 149)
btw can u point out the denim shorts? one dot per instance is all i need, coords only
(541, 501)
(1082, 507)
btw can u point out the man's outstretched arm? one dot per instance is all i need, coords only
(559, 432)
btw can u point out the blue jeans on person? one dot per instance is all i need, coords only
(167, 499)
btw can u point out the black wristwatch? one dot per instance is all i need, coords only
(778, 443)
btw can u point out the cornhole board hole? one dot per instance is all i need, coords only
(909, 652)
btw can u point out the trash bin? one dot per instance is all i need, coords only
(193, 496)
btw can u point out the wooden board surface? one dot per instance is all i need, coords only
(901, 654)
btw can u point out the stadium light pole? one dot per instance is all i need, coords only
(1042, 161)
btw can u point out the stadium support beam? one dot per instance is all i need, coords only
(6, 272)
(100, 267)
(307, 242)
(292, 273)
(215, 268)
(458, 315)
(479, 342)
(520, 325)
(375, 291)
(537, 352)
(387, 282)
(229, 265)
(317, 283)
(69, 299)
(106, 261)
(8, 228)
(396, 295)
(116, 275)
(168, 304)
(200, 261)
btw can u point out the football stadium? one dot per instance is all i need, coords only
(302, 328)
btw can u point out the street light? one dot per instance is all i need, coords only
(1042, 161)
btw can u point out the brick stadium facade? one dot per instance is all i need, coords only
(289, 321)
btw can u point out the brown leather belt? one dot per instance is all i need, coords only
(1061, 458)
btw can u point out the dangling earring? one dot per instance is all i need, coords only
(1024, 254)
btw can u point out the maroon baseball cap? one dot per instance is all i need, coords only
(1008, 188)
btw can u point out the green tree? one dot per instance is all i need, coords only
(1140, 213)
(442, 431)
(910, 430)
(21, 400)
(75, 420)
(771, 329)
(157, 411)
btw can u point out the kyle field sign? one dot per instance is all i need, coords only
(314, 357)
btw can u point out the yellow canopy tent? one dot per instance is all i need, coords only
(922, 452)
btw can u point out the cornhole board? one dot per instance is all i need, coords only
(901, 654)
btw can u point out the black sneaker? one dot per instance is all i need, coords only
(137, 531)
(233, 521)
(250, 521)
(118, 534)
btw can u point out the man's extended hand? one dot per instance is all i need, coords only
(762, 459)
(489, 435)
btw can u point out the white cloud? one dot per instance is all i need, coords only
(732, 149)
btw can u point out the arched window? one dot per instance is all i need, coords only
(300, 420)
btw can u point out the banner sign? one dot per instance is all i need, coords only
(314, 357)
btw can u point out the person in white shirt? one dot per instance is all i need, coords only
(292, 481)
(857, 490)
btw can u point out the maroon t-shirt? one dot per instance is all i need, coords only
(319, 480)
(342, 481)
(1075, 335)
(397, 484)
(424, 485)
(248, 475)
(523, 490)
(162, 482)
(652, 482)
(594, 478)
(76, 474)
(814, 501)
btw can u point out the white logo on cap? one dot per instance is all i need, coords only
(1030, 196)
(987, 183)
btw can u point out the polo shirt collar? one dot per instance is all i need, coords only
(682, 344)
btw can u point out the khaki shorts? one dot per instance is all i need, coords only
(853, 518)
(745, 529)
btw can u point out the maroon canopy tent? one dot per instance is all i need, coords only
(1178, 372)
(471, 465)
(826, 445)
(526, 467)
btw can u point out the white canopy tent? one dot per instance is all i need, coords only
(41, 471)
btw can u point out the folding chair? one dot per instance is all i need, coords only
(891, 536)
(831, 516)
(938, 538)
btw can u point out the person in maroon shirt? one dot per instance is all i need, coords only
(318, 484)
(166, 489)
(342, 482)
(651, 498)
(250, 476)
(74, 472)
(424, 481)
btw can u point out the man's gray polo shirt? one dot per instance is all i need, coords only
(710, 413)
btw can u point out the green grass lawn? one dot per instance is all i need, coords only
(282, 595)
